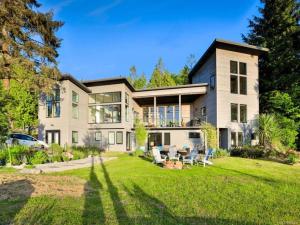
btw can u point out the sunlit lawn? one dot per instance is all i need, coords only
(130, 190)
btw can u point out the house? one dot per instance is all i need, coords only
(223, 91)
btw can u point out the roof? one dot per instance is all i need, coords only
(76, 82)
(228, 45)
(108, 81)
(173, 87)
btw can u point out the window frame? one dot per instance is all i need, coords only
(233, 135)
(169, 138)
(54, 100)
(109, 138)
(100, 135)
(237, 112)
(119, 142)
(234, 90)
(246, 113)
(240, 142)
(75, 141)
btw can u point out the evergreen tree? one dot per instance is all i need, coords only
(27, 38)
(138, 82)
(160, 76)
(277, 29)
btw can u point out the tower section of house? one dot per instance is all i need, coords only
(232, 101)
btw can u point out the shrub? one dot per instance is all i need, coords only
(221, 153)
(291, 157)
(39, 157)
(252, 152)
(57, 158)
(141, 133)
(3, 157)
(211, 135)
(19, 154)
(56, 149)
(78, 154)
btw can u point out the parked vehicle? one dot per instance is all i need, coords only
(24, 139)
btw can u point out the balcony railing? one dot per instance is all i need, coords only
(185, 122)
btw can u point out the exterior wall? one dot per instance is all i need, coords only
(209, 100)
(225, 98)
(65, 123)
(124, 126)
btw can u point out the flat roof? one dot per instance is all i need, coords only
(107, 81)
(228, 45)
(173, 87)
(76, 82)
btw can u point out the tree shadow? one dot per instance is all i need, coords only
(93, 207)
(153, 211)
(120, 212)
(13, 196)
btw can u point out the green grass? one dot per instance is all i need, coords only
(131, 190)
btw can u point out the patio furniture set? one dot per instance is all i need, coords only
(174, 158)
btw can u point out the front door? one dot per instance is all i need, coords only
(53, 136)
(154, 139)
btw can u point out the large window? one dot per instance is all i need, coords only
(233, 139)
(74, 137)
(75, 108)
(240, 139)
(101, 98)
(238, 78)
(53, 104)
(126, 107)
(101, 112)
(243, 113)
(234, 112)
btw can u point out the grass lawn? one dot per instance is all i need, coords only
(130, 190)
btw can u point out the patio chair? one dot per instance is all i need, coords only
(192, 158)
(173, 155)
(157, 157)
(207, 156)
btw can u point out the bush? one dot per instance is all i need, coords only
(78, 154)
(3, 157)
(19, 154)
(39, 157)
(252, 152)
(221, 153)
(57, 158)
(292, 157)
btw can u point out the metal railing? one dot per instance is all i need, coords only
(185, 122)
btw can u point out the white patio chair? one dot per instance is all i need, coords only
(173, 153)
(157, 157)
(192, 158)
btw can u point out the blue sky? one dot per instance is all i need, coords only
(103, 38)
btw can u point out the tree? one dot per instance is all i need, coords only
(3, 114)
(138, 82)
(277, 28)
(160, 76)
(28, 39)
(141, 133)
(268, 131)
(182, 78)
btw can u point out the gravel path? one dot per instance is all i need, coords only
(70, 165)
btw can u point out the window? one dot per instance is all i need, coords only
(194, 135)
(53, 104)
(98, 136)
(240, 139)
(233, 139)
(167, 138)
(233, 67)
(75, 108)
(243, 113)
(111, 138)
(74, 137)
(243, 85)
(212, 82)
(100, 112)
(234, 84)
(203, 111)
(119, 137)
(126, 107)
(243, 68)
(234, 112)
(238, 78)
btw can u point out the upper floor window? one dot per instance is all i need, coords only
(53, 104)
(234, 112)
(126, 107)
(109, 97)
(75, 108)
(238, 78)
(243, 113)
(102, 112)
(240, 110)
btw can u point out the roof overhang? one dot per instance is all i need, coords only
(76, 82)
(108, 81)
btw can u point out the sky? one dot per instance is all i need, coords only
(104, 38)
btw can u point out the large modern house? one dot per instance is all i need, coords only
(223, 91)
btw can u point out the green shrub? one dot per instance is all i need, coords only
(57, 158)
(252, 152)
(211, 135)
(291, 158)
(19, 154)
(78, 154)
(221, 153)
(3, 157)
(56, 149)
(39, 157)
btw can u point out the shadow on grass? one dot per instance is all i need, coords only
(116, 200)
(13, 196)
(153, 211)
(93, 208)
